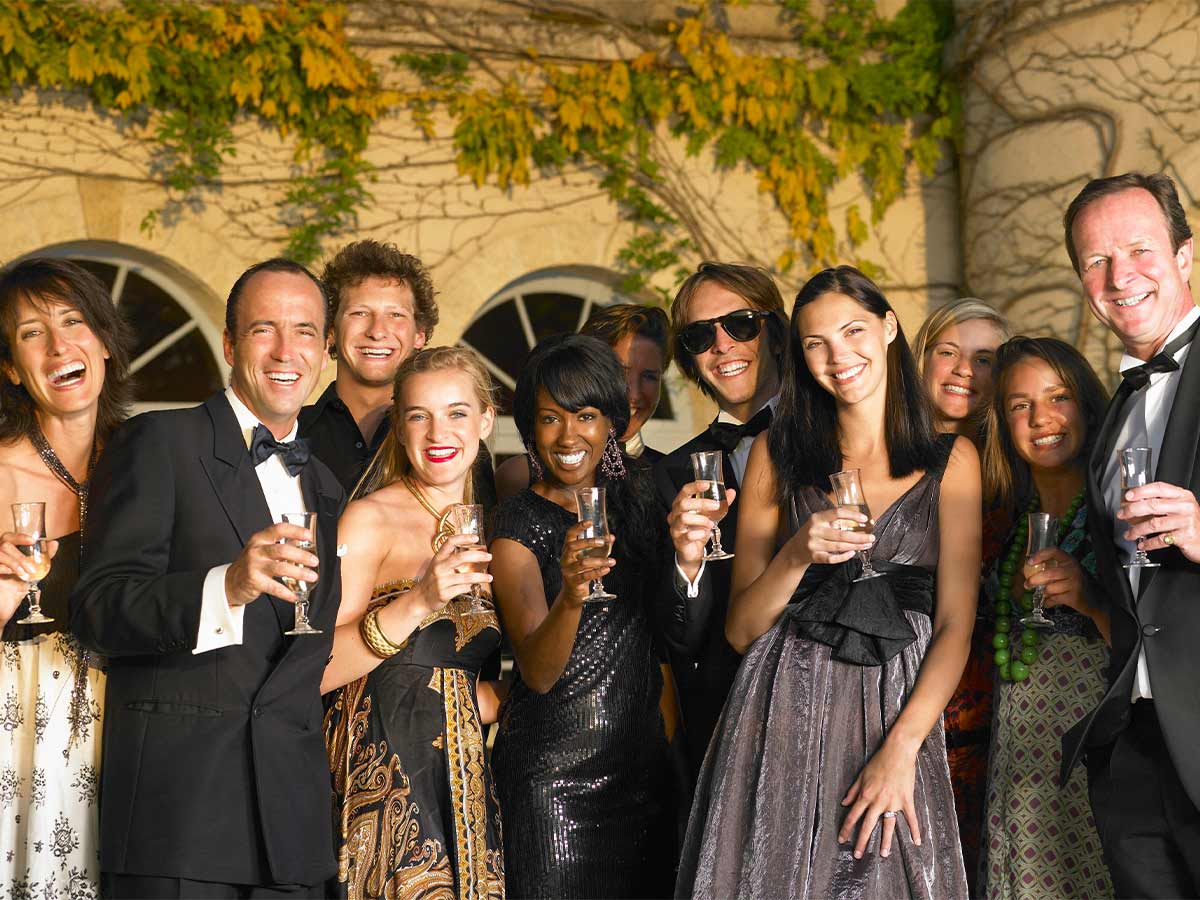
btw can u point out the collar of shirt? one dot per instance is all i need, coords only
(635, 446)
(1129, 362)
(731, 419)
(247, 420)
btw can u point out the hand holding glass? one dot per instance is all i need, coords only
(590, 503)
(468, 519)
(307, 521)
(1135, 472)
(30, 519)
(708, 466)
(1043, 532)
(848, 491)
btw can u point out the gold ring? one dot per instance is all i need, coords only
(1169, 539)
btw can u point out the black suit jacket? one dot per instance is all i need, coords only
(214, 763)
(703, 662)
(1165, 617)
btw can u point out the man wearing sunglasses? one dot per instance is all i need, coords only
(730, 332)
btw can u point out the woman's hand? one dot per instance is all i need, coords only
(690, 526)
(1060, 576)
(826, 537)
(15, 572)
(578, 571)
(885, 785)
(451, 573)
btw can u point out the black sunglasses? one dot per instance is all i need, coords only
(742, 325)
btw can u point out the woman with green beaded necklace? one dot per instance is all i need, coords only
(1041, 842)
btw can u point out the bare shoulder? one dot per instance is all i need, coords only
(760, 470)
(964, 461)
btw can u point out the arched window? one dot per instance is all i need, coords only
(546, 303)
(177, 356)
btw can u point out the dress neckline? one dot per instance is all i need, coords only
(895, 504)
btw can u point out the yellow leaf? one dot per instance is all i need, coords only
(754, 111)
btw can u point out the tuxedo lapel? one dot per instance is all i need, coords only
(325, 505)
(231, 473)
(1101, 524)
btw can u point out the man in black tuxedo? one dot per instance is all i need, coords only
(730, 332)
(215, 781)
(1132, 247)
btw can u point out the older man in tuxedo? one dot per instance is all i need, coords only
(1132, 247)
(215, 781)
(730, 332)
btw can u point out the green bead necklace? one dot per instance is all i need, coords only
(1014, 666)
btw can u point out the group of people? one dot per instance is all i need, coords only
(777, 723)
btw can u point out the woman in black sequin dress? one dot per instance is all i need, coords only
(580, 759)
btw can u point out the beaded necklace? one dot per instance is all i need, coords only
(60, 471)
(1015, 666)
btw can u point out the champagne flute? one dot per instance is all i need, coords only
(30, 519)
(468, 519)
(848, 491)
(708, 466)
(590, 503)
(1043, 532)
(302, 589)
(1135, 472)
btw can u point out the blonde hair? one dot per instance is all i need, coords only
(390, 462)
(964, 309)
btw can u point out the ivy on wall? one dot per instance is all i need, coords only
(857, 94)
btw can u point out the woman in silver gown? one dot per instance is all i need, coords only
(827, 775)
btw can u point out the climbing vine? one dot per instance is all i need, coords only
(853, 93)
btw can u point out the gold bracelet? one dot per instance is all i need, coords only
(377, 642)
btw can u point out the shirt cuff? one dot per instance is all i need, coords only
(690, 589)
(220, 623)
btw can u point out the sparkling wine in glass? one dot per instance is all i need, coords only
(708, 466)
(848, 492)
(302, 589)
(30, 519)
(468, 519)
(1043, 530)
(590, 503)
(1135, 472)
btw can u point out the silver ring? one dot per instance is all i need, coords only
(890, 814)
(1169, 539)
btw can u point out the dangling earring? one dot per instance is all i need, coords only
(535, 465)
(612, 465)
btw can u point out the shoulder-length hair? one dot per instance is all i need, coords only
(1007, 482)
(42, 281)
(805, 438)
(964, 309)
(391, 462)
(579, 371)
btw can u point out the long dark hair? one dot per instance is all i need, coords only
(1007, 481)
(42, 281)
(804, 439)
(579, 371)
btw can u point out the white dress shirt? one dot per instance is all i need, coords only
(738, 458)
(1145, 422)
(220, 623)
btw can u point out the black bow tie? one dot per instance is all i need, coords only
(263, 446)
(1139, 376)
(727, 435)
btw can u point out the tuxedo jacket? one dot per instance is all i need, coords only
(1164, 618)
(214, 765)
(703, 663)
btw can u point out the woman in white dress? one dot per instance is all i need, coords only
(64, 385)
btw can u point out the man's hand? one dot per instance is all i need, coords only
(1163, 515)
(690, 525)
(264, 559)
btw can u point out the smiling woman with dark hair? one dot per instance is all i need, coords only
(64, 352)
(580, 759)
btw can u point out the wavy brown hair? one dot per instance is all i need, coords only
(43, 281)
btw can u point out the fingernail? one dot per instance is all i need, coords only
(858, 854)
(884, 853)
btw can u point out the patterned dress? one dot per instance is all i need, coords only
(416, 815)
(1042, 842)
(811, 704)
(50, 705)
(582, 770)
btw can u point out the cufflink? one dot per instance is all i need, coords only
(220, 630)
(342, 549)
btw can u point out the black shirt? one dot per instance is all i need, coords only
(336, 441)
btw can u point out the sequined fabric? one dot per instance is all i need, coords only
(796, 731)
(581, 770)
